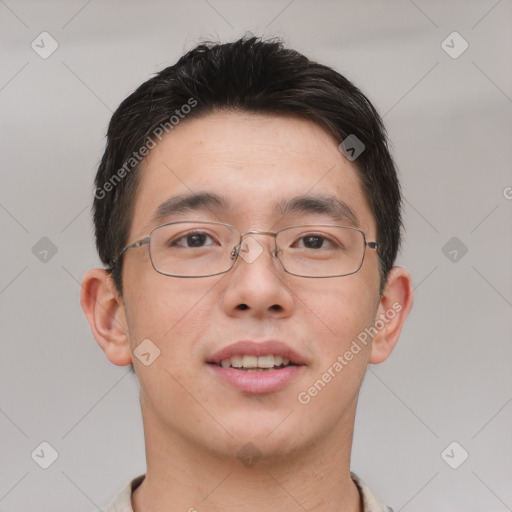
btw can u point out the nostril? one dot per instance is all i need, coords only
(243, 306)
(276, 307)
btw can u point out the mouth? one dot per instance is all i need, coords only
(251, 363)
(257, 368)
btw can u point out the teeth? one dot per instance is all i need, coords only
(266, 362)
(236, 361)
(250, 362)
(255, 363)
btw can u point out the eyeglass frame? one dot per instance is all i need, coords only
(235, 252)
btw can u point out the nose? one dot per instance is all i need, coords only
(257, 284)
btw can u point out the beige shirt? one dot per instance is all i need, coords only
(123, 503)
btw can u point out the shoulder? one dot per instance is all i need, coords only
(370, 501)
(123, 501)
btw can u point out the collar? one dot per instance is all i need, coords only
(123, 503)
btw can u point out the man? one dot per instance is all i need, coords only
(248, 210)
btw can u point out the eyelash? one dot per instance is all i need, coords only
(176, 241)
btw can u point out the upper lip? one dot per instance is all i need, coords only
(260, 348)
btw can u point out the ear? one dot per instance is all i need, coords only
(395, 304)
(105, 311)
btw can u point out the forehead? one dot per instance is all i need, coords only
(259, 164)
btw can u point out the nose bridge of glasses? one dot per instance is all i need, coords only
(256, 232)
(249, 248)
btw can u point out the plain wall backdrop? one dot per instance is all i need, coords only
(448, 110)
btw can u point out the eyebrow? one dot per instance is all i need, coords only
(333, 207)
(330, 206)
(189, 203)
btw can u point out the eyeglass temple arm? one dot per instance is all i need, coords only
(138, 243)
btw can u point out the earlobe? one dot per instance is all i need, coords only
(395, 305)
(105, 313)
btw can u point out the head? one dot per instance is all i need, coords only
(251, 76)
(259, 125)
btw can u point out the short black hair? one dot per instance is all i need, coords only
(250, 75)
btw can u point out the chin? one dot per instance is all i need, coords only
(269, 432)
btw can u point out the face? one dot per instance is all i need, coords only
(254, 162)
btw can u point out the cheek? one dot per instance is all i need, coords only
(336, 316)
(176, 319)
(172, 314)
(336, 312)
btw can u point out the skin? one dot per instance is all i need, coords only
(194, 423)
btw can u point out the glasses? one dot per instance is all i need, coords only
(203, 249)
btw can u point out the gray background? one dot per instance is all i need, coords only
(449, 119)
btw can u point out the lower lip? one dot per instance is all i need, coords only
(257, 382)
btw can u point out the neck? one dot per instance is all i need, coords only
(185, 475)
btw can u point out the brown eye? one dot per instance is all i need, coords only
(191, 240)
(316, 242)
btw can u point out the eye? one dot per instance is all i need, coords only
(316, 241)
(191, 240)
